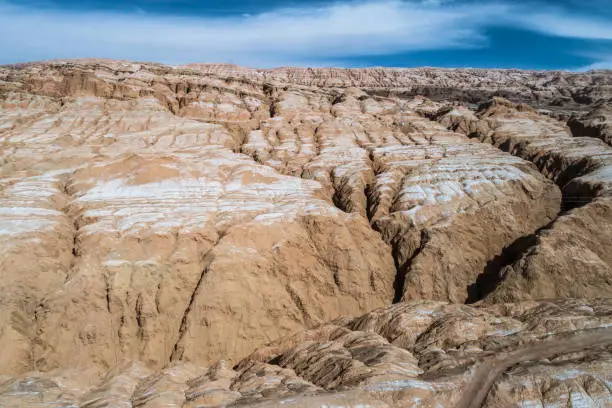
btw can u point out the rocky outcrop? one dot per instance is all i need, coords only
(172, 225)
(570, 257)
(596, 123)
(550, 90)
(151, 235)
(412, 354)
(553, 91)
(423, 188)
(155, 219)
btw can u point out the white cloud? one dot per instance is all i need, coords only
(556, 22)
(603, 64)
(304, 35)
(601, 59)
(298, 36)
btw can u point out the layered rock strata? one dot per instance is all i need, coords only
(596, 123)
(570, 257)
(155, 220)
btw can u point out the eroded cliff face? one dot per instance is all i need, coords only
(155, 220)
(571, 257)
(595, 123)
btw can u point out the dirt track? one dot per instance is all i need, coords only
(487, 372)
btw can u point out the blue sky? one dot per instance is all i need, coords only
(531, 34)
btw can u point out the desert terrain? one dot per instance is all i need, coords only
(216, 236)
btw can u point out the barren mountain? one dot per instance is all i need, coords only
(209, 235)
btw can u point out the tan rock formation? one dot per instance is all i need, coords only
(596, 123)
(155, 220)
(418, 184)
(420, 354)
(570, 257)
(152, 234)
(552, 90)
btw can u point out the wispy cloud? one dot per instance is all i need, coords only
(603, 64)
(601, 61)
(298, 36)
(556, 22)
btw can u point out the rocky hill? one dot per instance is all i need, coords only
(211, 235)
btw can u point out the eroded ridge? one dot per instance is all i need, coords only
(174, 216)
(166, 244)
(164, 224)
(36, 253)
(422, 187)
(192, 208)
(433, 196)
(570, 257)
(418, 354)
(551, 90)
(596, 123)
